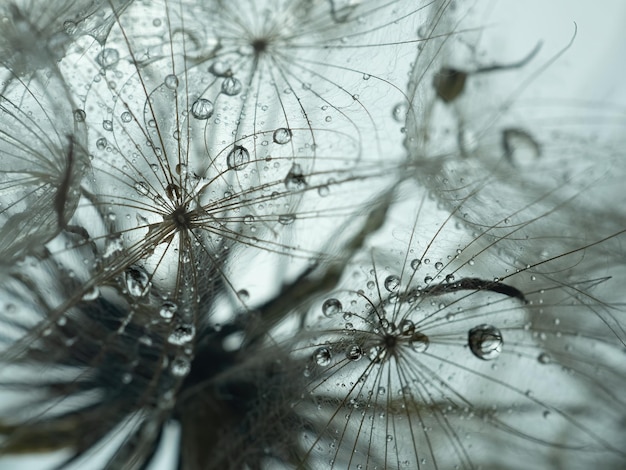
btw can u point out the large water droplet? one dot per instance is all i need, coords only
(108, 57)
(142, 188)
(238, 158)
(231, 86)
(182, 334)
(167, 310)
(137, 281)
(282, 135)
(392, 283)
(180, 366)
(294, 180)
(485, 342)
(286, 219)
(331, 307)
(202, 109)
(419, 342)
(377, 353)
(407, 327)
(91, 294)
(354, 352)
(322, 356)
(171, 81)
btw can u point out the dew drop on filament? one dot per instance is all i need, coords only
(238, 158)
(282, 135)
(485, 342)
(331, 307)
(322, 356)
(202, 109)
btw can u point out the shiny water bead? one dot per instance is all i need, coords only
(322, 356)
(485, 342)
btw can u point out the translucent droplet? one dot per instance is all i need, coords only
(407, 327)
(91, 294)
(282, 135)
(354, 352)
(392, 283)
(101, 143)
(322, 356)
(137, 281)
(399, 112)
(126, 116)
(376, 353)
(219, 68)
(331, 307)
(419, 342)
(142, 188)
(202, 109)
(182, 334)
(108, 57)
(79, 115)
(167, 310)
(243, 294)
(231, 86)
(295, 178)
(286, 219)
(438, 265)
(415, 264)
(180, 366)
(107, 125)
(485, 342)
(544, 358)
(171, 81)
(238, 158)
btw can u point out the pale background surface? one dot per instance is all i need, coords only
(593, 68)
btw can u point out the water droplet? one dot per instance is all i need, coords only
(182, 334)
(238, 158)
(407, 327)
(331, 307)
(544, 358)
(376, 353)
(91, 294)
(354, 352)
(107, 125)
(101, 143)
(399, 112)
(438, 265)
(323, 191)
(419, 342)
(180, 366)
(137, 281)
(108, 57)
(286, 219)
(231, 86)
(322, 356)
(282, 135)
(415, 264)
(295, 178)
(243, 295)
(220, 69)
(79, 115)
(392, 283)
(167, 310)
(126, 116)
(171, 81)
(485, 342)
(202, 109)
(142, 188)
